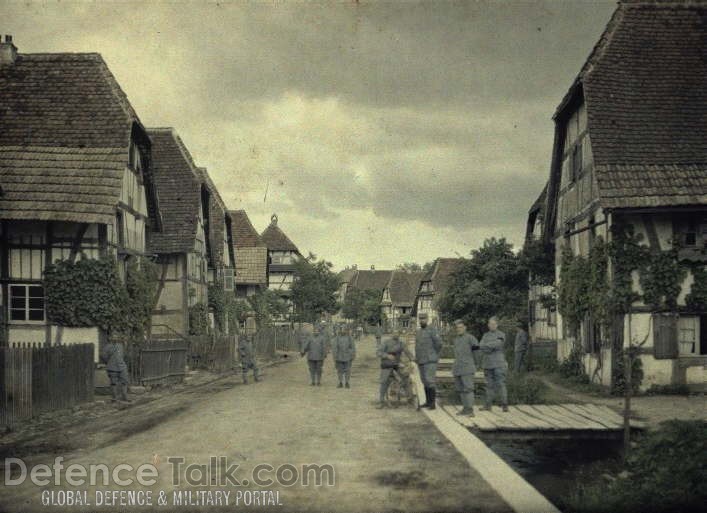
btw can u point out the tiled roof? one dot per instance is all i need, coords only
(403, 287)
(644, 88)
(276, 240)
(179, 190)
(60, 184)
(244, 233)
(65, 130)
(365, 280)
(347, 275)
(63, 100)
(440, 273)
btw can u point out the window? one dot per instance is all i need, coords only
(665, 336)
(120, 229)
(228, 280)
(26, 303)
(689, 336)
(576, 162)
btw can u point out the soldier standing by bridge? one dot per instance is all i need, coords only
(427, 348)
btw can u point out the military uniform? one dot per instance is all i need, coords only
(247, 357)
(344, 352)
(495, 366)
(427, 348)
(395, 348)
(114, 357)
(315, 348)
(520, 349)
(464, 368)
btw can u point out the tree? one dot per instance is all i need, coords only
(412, 267)
(265, 305)
(492, 282)
(314, 289)
(362, 306)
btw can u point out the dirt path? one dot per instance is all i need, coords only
(384, 460)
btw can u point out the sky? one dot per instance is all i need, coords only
(379, 133)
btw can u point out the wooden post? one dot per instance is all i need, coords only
(628, 364)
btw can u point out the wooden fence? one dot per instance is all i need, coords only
(268, 340)
(161, 362)
(35, 379)
(213, 352)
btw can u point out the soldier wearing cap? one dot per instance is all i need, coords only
(464, 366)
(390, 352)
(495, 365)
(247, 356)
(427, 348)
(315, 348)
(344, 352)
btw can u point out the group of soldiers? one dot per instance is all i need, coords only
(316, 348)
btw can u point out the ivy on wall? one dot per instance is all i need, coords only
(198, 319)
(697, 298)
(90, 292)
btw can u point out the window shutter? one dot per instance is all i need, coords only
(665, 338)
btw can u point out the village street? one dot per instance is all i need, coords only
(384, 460)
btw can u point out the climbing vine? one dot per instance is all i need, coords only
(697, 298)
(573, 289)
(198, 319)
(90, 292)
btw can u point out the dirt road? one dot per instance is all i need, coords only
(383, 460)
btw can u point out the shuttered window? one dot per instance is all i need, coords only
(665, 329)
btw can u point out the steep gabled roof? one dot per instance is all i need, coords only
(244, 233)
(403, 287)
(217, 220)
(644, 90)
(440, 273)
(65, 132)
(371, 280)
(179, 188)
(275, 239)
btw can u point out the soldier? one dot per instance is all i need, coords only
(495, 365)
(379, 336)
(113, 355)
(464, 366)
(344, 352)
(390, 353)
(315, 347)
(427, 348)
(520, 348)
(247, 355)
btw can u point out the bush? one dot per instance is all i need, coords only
(665, 473)
(668, 390)
(619, 385)
(524, 389)
(573, 367)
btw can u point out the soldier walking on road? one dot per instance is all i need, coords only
(315, 348)
(464, 366)
(113, 355)
(495, 365)
(427, 348)
(390, 353)
(344, 352)
(520, 348)
(247, 356)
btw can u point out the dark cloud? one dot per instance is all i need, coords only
(361, 120)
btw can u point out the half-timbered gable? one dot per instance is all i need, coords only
(630, 152)
(251, 255)
(76, 179)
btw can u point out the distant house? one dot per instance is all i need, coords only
(433, 285)
(630, 154)
(251, 255)
(542, 308)
(181, 247)
(75, 167)
(399, 298)
(282, 256)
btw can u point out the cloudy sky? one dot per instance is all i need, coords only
(379, 133)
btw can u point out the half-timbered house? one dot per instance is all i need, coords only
(432, 287)
(630, 160)
(251, 256)
(398, 299)
(282, 256)
(75, 168)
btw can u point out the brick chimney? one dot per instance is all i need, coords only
(8, 51)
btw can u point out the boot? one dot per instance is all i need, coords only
(341, 385)
(347, 385)
(124, 393)
(467, 412)
(486, 407)
(256, 375)
(427, 398)
(382, 404)
(114, 393)
(433, 399)
(504, 407)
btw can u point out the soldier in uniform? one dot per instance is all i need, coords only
(315, 348)
(390, 353)
(379, 336)
(495, 365)
(247, 356)
(113, 355)
(464, 366)
(344, 352)
(427, 348)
